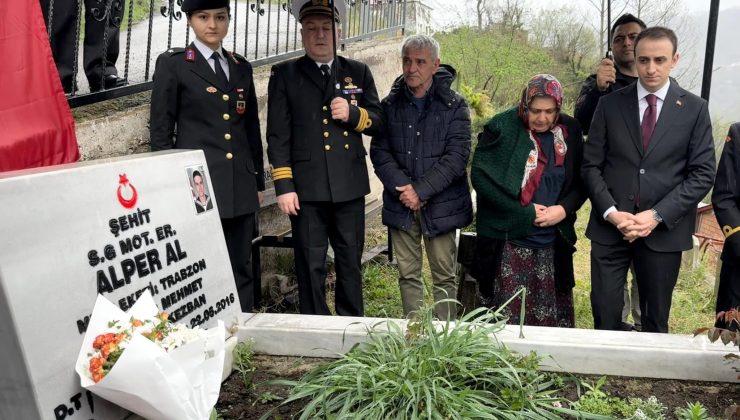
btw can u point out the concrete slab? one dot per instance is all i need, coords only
(581, 351)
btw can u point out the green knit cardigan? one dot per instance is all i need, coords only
(497, 173)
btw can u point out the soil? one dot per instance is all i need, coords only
(237, 402)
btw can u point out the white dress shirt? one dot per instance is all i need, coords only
(642, 103)
(207, 52)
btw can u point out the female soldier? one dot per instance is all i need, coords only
(203, 98)
(526, 174)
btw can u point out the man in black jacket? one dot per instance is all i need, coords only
(611, 75)
(319, 106)
(421, 158)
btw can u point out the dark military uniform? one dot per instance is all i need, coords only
(323, 161)
(62, 36)
(726, 203)
(191, 109)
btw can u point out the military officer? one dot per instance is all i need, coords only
(726, 203)
(203, 98)
(319, 105)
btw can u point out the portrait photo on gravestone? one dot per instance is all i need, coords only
(200, 189)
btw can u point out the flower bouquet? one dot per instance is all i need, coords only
(143, 363)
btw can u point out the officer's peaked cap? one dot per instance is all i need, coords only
(303, 8)
(189, 6)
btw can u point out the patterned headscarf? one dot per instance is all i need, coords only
(540, 85)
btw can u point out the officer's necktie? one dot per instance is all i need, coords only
(648, 120)
(220, 75)
(326, 71)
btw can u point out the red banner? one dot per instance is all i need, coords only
(36, 124)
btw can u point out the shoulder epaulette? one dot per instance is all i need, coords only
(238, 56)
(173, 51)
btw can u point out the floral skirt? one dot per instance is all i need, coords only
(534, 269)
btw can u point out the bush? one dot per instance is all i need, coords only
(431, 370)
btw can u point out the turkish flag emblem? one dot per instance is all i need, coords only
(126, 193)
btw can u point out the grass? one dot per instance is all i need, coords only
(693, 297)
(453, 371)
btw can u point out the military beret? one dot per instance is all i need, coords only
(303, 8)
(193, 5)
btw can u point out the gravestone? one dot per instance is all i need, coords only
(116, 227)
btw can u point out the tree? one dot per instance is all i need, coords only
(618, 7)
(572, 42)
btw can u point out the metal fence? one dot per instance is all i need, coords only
(263, 31)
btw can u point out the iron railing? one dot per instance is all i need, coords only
(263, 31)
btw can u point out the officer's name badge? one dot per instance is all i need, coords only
(241, 107)
(347, 91)
(211, 89)
(190, 54)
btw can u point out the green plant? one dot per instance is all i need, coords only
(640, 409)
(267, 397)
(731, 318)
(243, 363)
(596, 401)
(431, 370)
(695, 411)
(215, 415)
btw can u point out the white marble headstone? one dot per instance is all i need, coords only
(115, 227)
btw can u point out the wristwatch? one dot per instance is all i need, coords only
(656, 216)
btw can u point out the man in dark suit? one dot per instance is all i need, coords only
(319, 106)
(611, 75)
(648, 161)
(102, 24)
(204, 98)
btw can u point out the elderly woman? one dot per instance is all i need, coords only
(526, 172)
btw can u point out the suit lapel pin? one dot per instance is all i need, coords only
(679, 103)
(190, 55)
(211, 89)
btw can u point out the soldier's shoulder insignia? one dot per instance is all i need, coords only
(238, 57)
(728, 139)
(174, 51)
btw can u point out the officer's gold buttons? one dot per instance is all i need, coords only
(324, 108)
(327, 147)
(345, 134)
(227, 136)
(325, 121)
(226, 117)
(346, 147)
(326, 134)
(226, 97)
(229, 156)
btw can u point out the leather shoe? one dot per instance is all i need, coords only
(110, 81)
(626, 326)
